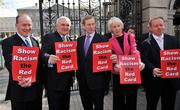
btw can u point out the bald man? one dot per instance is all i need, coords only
(24, 95)
(58, 84)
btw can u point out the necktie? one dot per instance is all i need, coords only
(27, 43)
(86, 44)
(65, 38)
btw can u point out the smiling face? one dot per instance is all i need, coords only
(116, 28)
(24, 25)
(63, 26)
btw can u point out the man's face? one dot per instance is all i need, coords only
(157, 27)
(63, 27)
(24, 25)
(90, 26)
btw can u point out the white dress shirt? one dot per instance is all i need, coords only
(25, 38)
(159, 40)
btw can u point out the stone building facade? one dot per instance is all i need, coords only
(168, 9)
(7, 26)
(164, 8)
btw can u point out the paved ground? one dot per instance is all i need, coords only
(75, 98)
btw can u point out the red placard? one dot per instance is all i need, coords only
(170, 63)
(67, 53)
(24, 63)
(129, 69)
(101, 56)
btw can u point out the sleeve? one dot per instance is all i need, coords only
(146, 56)
(7, 53)
(46, 48)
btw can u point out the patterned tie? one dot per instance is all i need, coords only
(63, 38)
(87, 44)
(27, 43)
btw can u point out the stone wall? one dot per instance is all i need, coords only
(152, 8)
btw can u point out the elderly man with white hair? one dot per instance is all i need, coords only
(58, 84)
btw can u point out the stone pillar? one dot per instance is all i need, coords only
(152, 8)
(169, 24)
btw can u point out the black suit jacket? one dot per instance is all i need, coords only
(150, 53)
(84, 73)
(54, 80)
(141, 39)
(14, 91)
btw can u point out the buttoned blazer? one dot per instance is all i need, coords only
(14, 91)
(85, 73)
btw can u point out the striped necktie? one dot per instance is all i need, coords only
(27, 43)
(87, 44)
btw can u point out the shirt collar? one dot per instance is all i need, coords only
(158, 37)
(64, 35)
(23, 38)
(91, 35)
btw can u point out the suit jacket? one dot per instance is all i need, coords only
(14, 91)
(150, 53)
(142, 38)
(54, 80)
(85, 73)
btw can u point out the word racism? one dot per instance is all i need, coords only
(100, 48)
(24, 58)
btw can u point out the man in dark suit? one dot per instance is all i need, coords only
(58, 84)
(91, 85)
(24, 95)
(155, 86)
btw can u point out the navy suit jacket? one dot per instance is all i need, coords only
(150, 53)
(14, 91)
(85, 73)
(54, 80)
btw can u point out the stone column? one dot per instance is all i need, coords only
(152, 8)
(169, 24)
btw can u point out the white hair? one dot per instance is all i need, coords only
(114, 20)
(63, 18)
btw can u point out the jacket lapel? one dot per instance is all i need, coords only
(20, 42)
(58, 37)
(82, 44)
(154, 43)
(166, 43)
(34, 43)
(115, 45)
